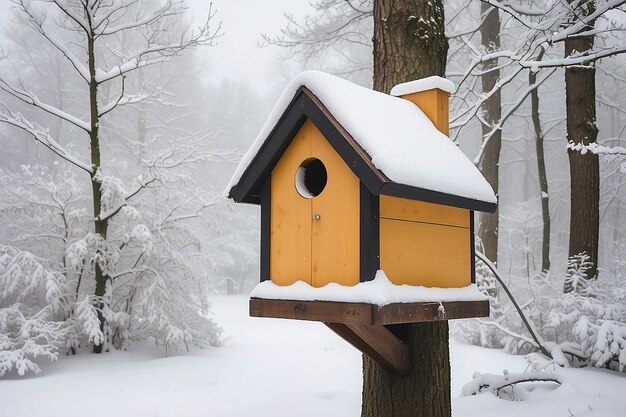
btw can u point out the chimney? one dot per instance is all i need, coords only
(431, 96)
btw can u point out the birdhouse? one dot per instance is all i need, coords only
(352, 182)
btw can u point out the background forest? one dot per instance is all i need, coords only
(117, 143)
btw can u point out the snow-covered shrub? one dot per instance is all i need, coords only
(584, 326)
(577, 277)
(32, 309)
(603, 342)
(47, 303)
(156, 291)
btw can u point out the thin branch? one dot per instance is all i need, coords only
(42, 136)
(540, 344)
(106, 215)
(154, 54)
(31, 99)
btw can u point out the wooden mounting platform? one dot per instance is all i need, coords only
(363, 325)
(369, 314)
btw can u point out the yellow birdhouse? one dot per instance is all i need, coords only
(352, 182)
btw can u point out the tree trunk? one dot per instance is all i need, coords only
(426, 390)
(409, 45)
(100, 226)
(541, 170)
(580, 90)
(492, 112)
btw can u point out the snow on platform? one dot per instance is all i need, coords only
(380, 291)
(271, 368)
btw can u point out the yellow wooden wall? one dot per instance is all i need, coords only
(424, 244)
(434, 104)
(317, 252)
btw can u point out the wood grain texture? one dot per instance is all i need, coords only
(419, 211)
(322, 251)
(580, 93)
(434, 104)
(378, 343)
(364, 313)
(290, 241)
(425, 254)
(420, 312)
(326, 311)
(336, 235)
(425, 391)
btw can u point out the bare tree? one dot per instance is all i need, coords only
(491, 115)
(82, 32)
(541, 170)
(580, 89)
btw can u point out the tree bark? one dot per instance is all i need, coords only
(492, 113)
(541, 170)
(410, 43)
(407, 44)
(580, 91)
(426, 390)
(100, 226)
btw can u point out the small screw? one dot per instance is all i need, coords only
(316, 217)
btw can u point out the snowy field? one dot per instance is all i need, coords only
(275, 368)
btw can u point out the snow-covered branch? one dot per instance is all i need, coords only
(509, 332)
(575, 59)
(38, 24)
(31, 99)
(508, 113)
(170, 8)
(155, 53)
(114, 103)
(583, 22)
(41, 135)
(496, 384)
(515, 11)
(70, 11)
(465, 116)
(596, 148)
(109, 212)
(536, 336)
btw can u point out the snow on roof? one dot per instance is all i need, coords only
(401, 140)
(428, 83)
(379, 291)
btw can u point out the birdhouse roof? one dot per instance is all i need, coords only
(387, 141)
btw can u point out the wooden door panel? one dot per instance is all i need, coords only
(290, 224)
(335, 239)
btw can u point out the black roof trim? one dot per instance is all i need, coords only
(306, 105)
(415, 193)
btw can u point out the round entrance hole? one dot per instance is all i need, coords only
(311, 178)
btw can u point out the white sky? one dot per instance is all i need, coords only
(236, 56)
(243, 21)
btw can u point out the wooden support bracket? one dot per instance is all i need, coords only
(363, 325)
(378, 343)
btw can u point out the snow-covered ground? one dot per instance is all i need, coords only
(274, 368)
